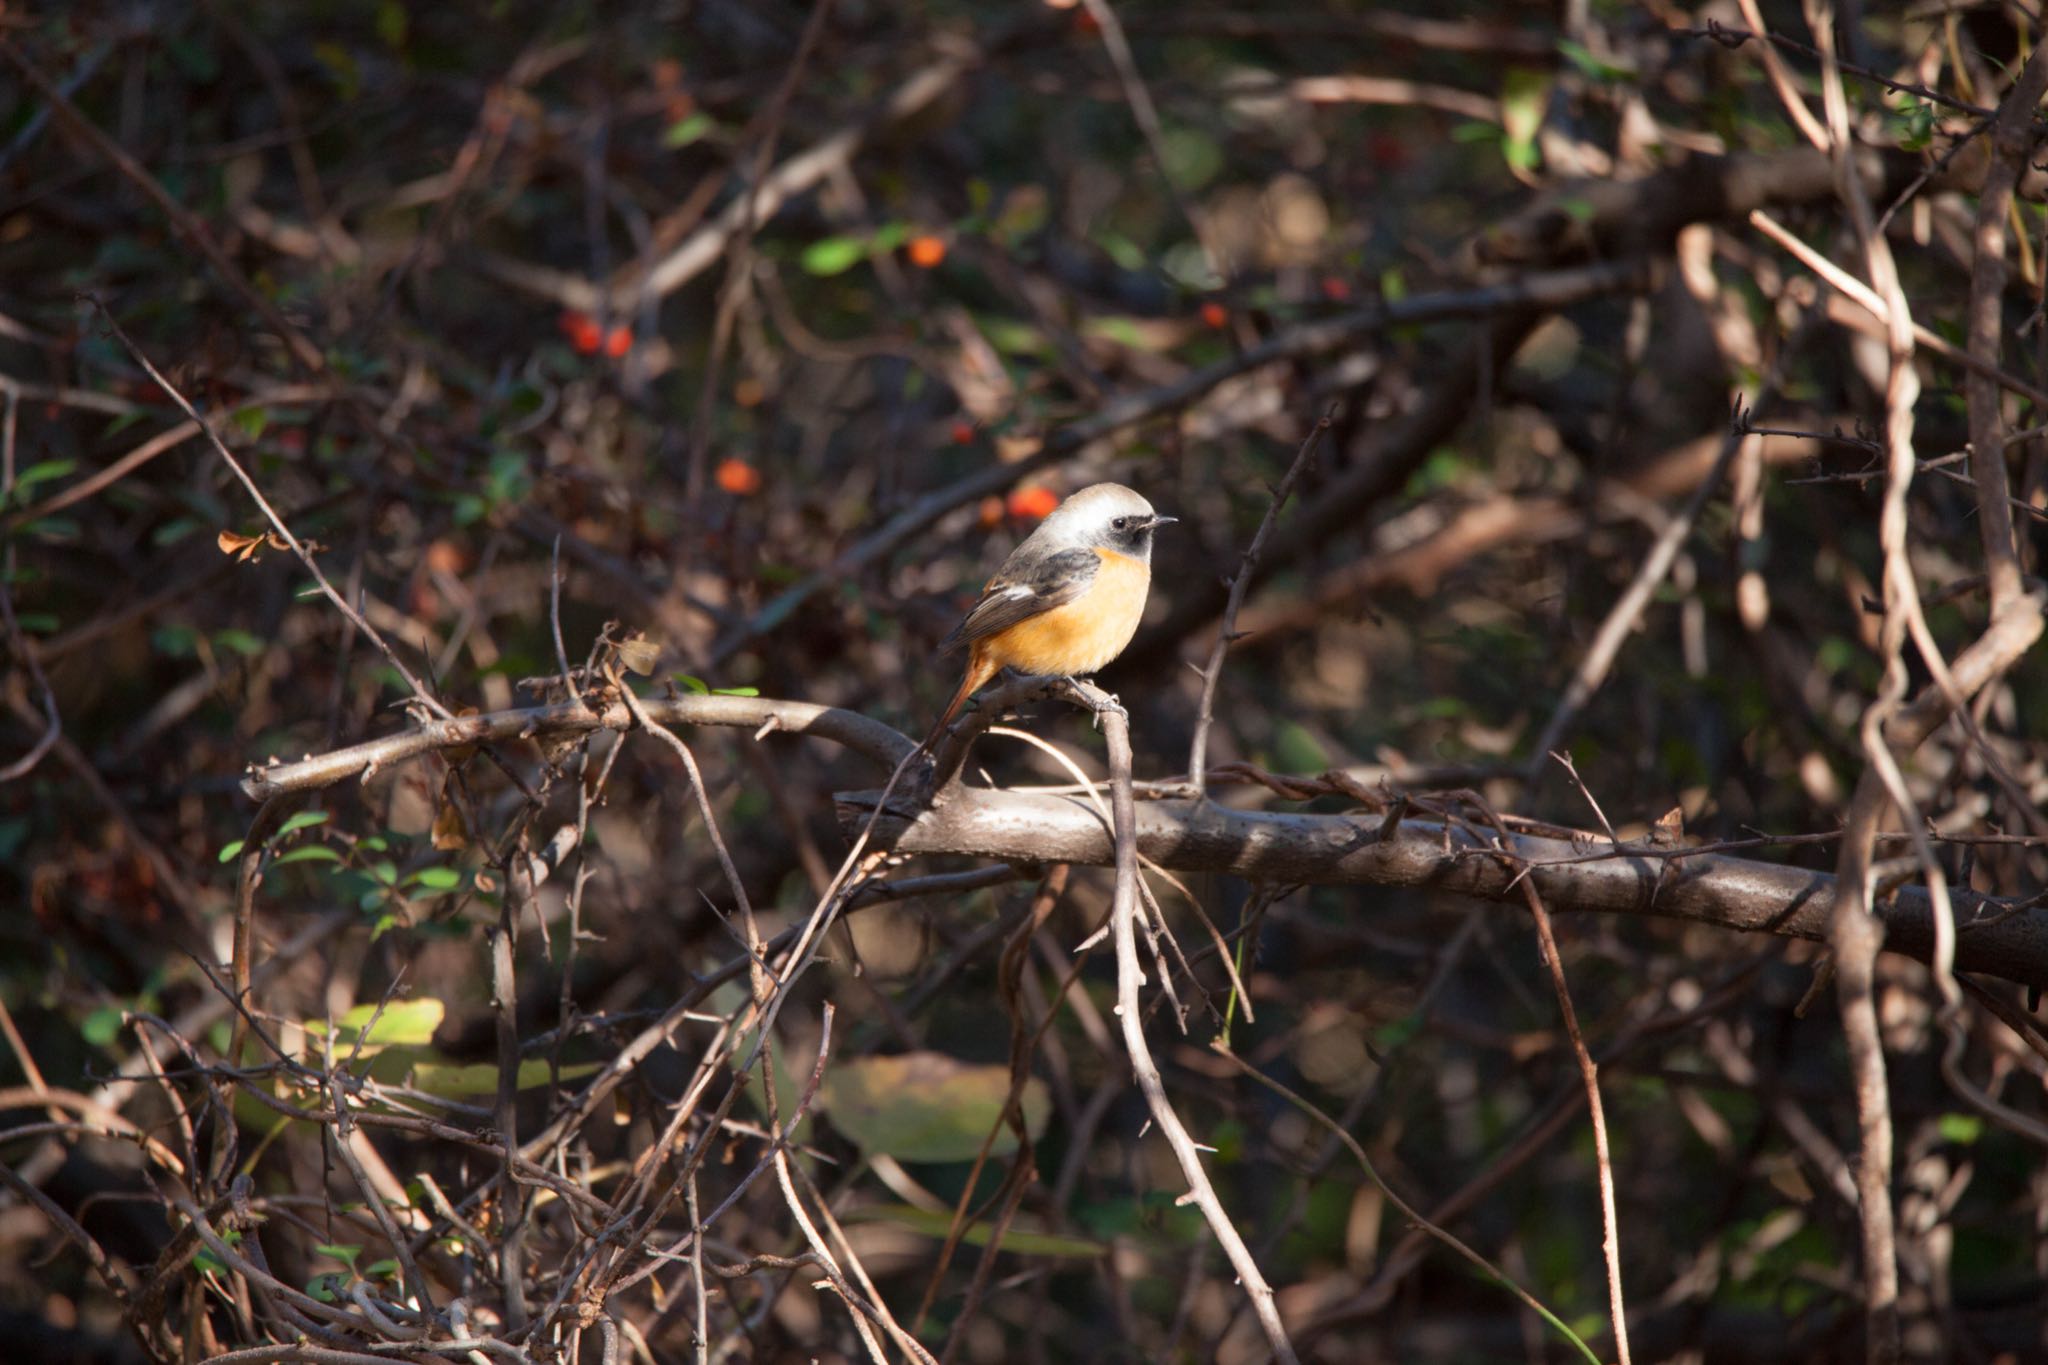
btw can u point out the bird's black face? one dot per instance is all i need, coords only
(1133, 534)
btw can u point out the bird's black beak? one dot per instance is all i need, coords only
(1158, 521)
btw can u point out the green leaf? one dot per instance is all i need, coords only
(42, 471)
(735, 691)
(926, 1106)
(238, 641)
(401, 1023)
(1523, 98)
(392, 22)
(311, 853)
(1126, 253)
(175, 530)
(833, 255)
(1591, 67)
(1297, 750)
(231, 851)
(204, 1258)
(341, 68)
(685, 131)
(436, 878)
(1961, 1129)
(452, 1081)
(340, 1252)
(1123, 331)
(1193, 158)
(252, 421)
(696, 687)
(305, 819)
(936, 1224)
(103, 1025)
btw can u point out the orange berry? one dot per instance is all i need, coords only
(445, 556)
(926, 251)
(1336, 288)
(1215, 314)
(963, 432)
(618, 341)
(738, 478)
(582, 331)
(990, 514)
(1033, 504)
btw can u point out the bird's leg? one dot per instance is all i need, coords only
(1095, 699)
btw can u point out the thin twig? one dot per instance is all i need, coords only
(188, 224)
(270, 514)
(1130, 976)
(1198, 748)
(1408, 1211)
(1621, 618)
(739, 254)
(1146, 115)
(1860, 294)
(1589, 1074)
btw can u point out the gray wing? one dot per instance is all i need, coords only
(1013, 597)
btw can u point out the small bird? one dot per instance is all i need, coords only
(1067, 600)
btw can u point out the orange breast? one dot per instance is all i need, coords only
(1085, 634)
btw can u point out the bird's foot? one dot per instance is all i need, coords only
(1096, 700)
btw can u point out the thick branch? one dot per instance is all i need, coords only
(1994, 938)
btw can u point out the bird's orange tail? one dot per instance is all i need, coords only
(980, 668)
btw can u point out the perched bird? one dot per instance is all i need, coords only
(1067, 600)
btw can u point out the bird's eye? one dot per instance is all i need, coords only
(1121, 522)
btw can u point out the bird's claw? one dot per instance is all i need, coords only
(1101, 704)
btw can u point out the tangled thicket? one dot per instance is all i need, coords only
(480, 494)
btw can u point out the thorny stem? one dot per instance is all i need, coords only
(1198, 749)
(1130, 975)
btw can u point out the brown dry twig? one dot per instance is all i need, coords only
(1212, 672)
(1130, 975)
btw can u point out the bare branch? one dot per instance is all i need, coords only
(1995, 937)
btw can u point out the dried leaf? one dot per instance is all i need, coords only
(451, 831)
(640, 654)
(242, 547)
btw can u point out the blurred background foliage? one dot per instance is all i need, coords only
(706, 292)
